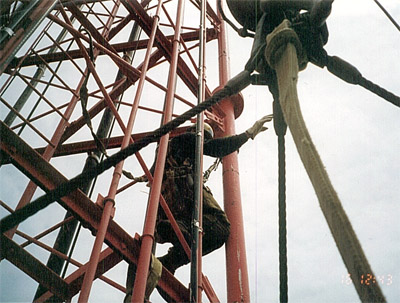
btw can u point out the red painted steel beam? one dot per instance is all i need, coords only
(77, 2)
(129, 71)
(33, 267)
(10, 47)
(176, 292)
(74, 126)
(119, 47)
(211, 13)
(114, 94)
(138, 292)
(100, 38)
(116, 177)
(211, 295)
(91, 67)
(90, 273)
(145, 21)
(99, 106)
(236, 260)
(47, 231)
(102, 266)
(108, 259)
(120, 25)
(55, 140)
(89, 146)
(89, 213)
(184, 72)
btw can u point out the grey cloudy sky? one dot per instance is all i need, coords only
(357, 135)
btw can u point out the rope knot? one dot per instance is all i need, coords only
(277, 41)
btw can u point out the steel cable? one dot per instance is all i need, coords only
(350, 74)
(388, 15)
(380, 91)
(283, 268)
(280, 130)
(233, 86)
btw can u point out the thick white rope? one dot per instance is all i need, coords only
(284, 54)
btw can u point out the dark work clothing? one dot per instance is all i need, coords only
(216, 227)
(183, 146)
(177, 187)
(178, 191)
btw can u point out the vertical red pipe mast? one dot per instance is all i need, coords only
(109, 201)
(236, 261)
(151, 215)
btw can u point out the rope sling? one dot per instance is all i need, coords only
(349, 74)
(284, 53)
(332, 210)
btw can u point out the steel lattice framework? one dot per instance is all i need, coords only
(77, 76)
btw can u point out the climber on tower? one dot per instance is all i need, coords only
(178, 190)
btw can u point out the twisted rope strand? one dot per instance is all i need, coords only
(232, 87)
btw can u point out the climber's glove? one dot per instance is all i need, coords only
(258, 127)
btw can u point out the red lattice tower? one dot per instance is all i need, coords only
(51, 53)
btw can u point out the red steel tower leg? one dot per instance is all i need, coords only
(150, 222)
(35, 143)
(236, 261)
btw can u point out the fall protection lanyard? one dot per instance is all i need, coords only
(213, 167)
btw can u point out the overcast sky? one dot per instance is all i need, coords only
(357, 135)
(358, 138)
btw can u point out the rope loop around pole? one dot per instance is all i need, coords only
(276, 45)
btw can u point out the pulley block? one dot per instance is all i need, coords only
(249, 12)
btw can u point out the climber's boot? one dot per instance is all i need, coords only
(153, 277)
